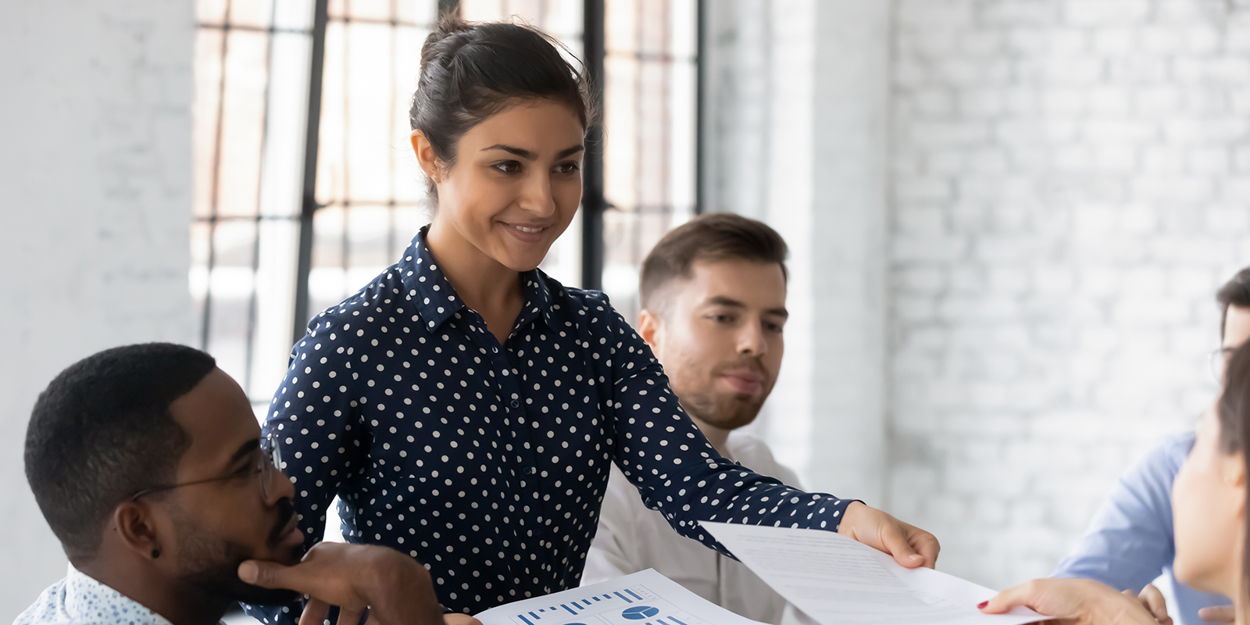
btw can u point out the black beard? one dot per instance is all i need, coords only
(210, 564)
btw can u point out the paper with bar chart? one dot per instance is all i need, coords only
(643, 598)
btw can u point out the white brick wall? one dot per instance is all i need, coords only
(93, 237)
(1070, 185)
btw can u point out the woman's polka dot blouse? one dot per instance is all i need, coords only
(488, 462)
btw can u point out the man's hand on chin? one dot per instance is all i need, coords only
(393, 587)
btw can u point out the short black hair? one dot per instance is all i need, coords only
(102, 431)
(710, 237)
(1235, 292)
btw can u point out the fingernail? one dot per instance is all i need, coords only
(981, 606)
(248, 571)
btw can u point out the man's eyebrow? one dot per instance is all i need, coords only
(245, 450)
(721, 300)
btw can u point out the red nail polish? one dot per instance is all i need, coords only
(981, 606)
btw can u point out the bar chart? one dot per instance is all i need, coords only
(642, 598)
(630, 605)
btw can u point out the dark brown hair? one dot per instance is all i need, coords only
(1235, 292)
(472, 71)
(1234, 417)
(716, 236)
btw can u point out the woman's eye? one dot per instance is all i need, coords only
(773, 327)
(568, 168)
(722, 318)
(506, 167)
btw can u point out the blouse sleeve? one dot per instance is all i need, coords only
(316, 418)
(677, 472)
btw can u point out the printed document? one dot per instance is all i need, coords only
(834, 580)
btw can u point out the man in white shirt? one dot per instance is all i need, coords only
(147, 462)
(713, 295)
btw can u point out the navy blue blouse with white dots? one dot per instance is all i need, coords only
(488, 462)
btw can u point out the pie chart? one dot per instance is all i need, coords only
(640, 612)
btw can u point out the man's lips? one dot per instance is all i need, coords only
(289, 534)
(744, 382)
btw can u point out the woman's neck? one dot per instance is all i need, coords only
(481, 281)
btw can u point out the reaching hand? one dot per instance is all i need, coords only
(1072, 601)
(394, 588)
(1224, 614)
(911, 546)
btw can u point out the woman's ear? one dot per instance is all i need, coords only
(1233, 474)
(136, 530)
(426, 157)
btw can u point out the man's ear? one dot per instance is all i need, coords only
(426, 157)
(136, 530)
(650, 327)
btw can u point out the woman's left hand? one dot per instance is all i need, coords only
(1073, 602)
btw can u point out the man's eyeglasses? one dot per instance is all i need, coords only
(1219, 362)
(268, 462)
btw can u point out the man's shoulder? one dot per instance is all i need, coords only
(754, 453)
(1163, 461)
(78, 599)
(49, 607)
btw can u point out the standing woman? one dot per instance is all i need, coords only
(465, 406)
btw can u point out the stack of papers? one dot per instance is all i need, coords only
(834, 580)
(644, 598)
(831, 579)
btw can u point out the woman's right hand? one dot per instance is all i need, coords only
(1073, 602)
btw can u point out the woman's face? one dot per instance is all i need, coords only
(1208, 513)
(515, 185)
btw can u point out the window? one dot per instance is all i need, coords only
(305, 184)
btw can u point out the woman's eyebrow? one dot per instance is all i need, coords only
(529, 155)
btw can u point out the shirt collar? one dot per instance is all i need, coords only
(86, 598)
(437, 301)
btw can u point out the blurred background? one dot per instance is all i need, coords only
(1007, 218)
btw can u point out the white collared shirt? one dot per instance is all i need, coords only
(78, 599)
(632, 538)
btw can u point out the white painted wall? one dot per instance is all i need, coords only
(797, 137)
(96, 179)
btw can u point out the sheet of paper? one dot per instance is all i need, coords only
(834, 580)
(643, 598)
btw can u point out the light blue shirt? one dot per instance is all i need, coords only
(1129, 543)
(80, 600)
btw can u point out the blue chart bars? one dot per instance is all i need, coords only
(621, 607)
